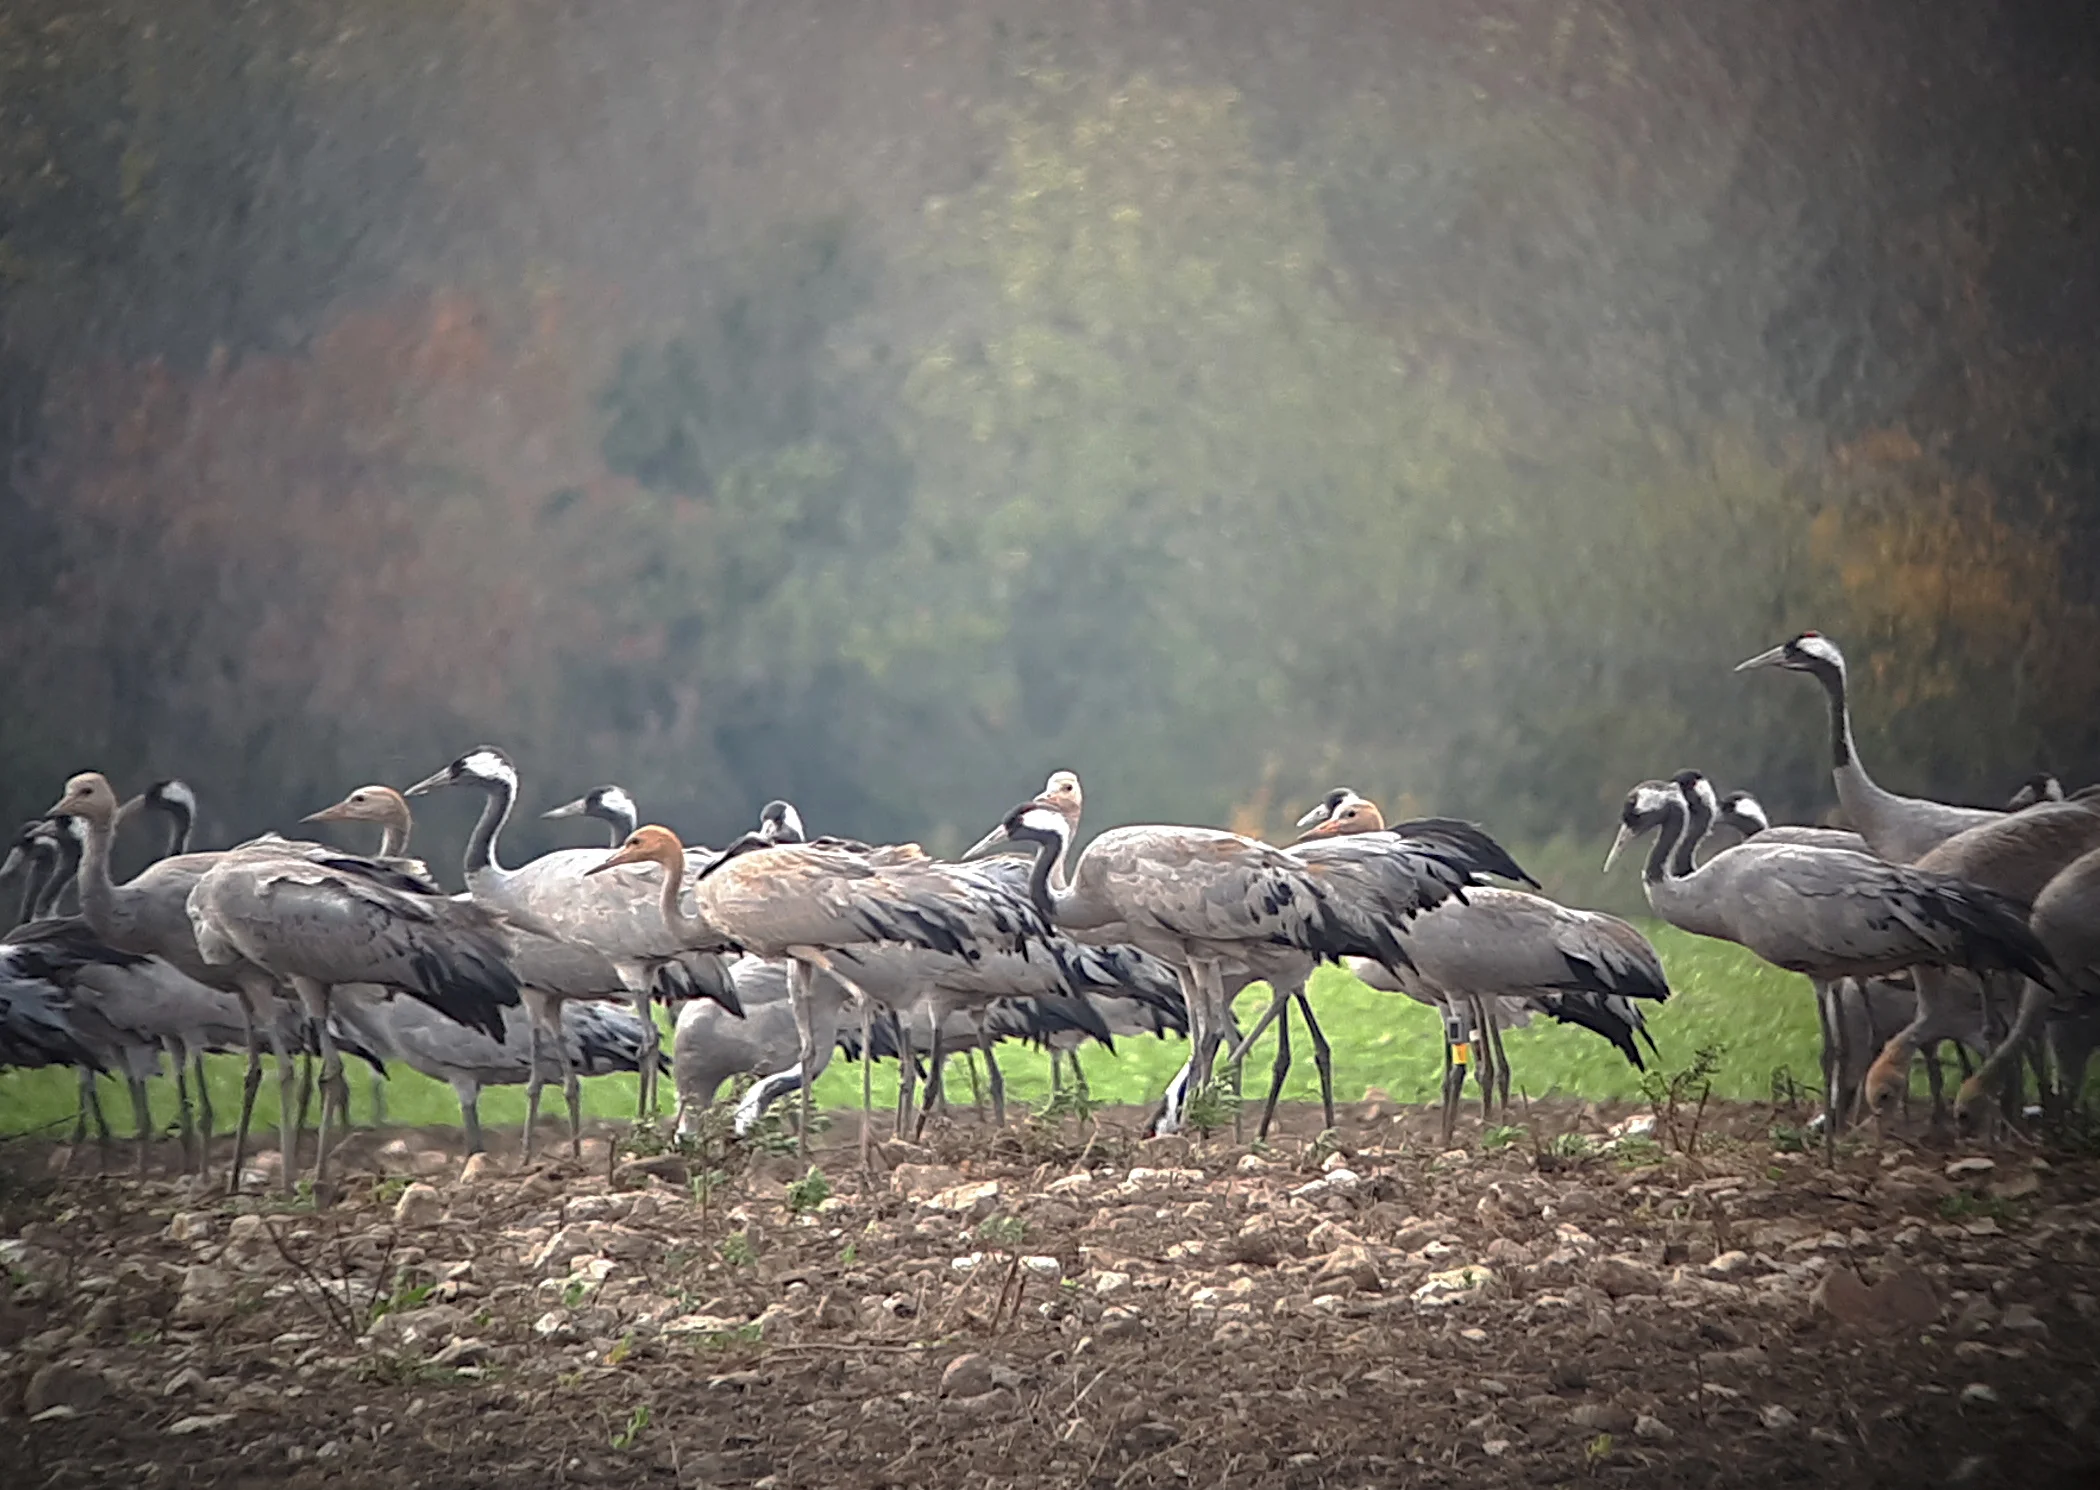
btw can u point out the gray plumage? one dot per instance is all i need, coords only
(1900, 829)
(1829, 913)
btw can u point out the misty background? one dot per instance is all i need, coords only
(880, 406)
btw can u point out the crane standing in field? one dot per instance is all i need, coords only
(1501, 948)
(1206, 901)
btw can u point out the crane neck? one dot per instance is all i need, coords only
(36, 872)
(98, 892)
(620, 824)
(1842, 754)
(181, 823)
(691, 930)
(497, 798)
(1698, 822)
(1661, 865)
(394, 836)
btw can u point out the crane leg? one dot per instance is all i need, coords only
(533, 1082)
(1280, 1069)
(1323, 1056)
(1828, 1019)
(306, 1094)
(996, 1080)
(976, 1093)
(470, 1113)
(142, 1112)
(1501, 1063)
(934, 1061)
(1079, 1076)
(867, 1085)
(1057, 1068)
(90, 1103)
(287, 1119)
(1457, 1056)
(645, 1096)
(179, 1058)
(251, 1083)
(2035, 999)
(800, 978)
(572, 1098)
(335, 1087)
(207, 1120)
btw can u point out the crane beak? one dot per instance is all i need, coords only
(1317, 815)
(1617, 844)
(430, 783)
(567, 809)
(1772, 658)
(991, 843)
(627, 854)
(337, 814)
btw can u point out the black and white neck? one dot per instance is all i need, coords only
(1701, 808)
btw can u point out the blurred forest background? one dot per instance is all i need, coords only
(882, 405)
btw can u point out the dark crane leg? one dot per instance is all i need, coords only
(1323, 1055)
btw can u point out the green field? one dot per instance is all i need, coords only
(1764, 1018)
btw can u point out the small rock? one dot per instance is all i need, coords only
(1457, 1286)
(1776, 1416)
(188, 1379)
(1042, 1266)
(458, 1351)
(206, 1296)
(203, 1422)
(1975, 1164)
(1072, 1184)
(1495, 1448)
(1232, 1332)
(982, 1405)
(189, 1226)
(248, 1237)
(918, 1181)
(1253, 1164)
(1621, 1277)
(1978, 1394)
(1601, 1417)
(2017, 1187)
(478, 1167)
(636, 1174)
(1111, 1282)
(1649, 1426)
(420, 1205)
(973, 1200)
(554, 1325)
(1152, 1435)
(968, 1376)
(1728, 1264)
(62, 1385)
(430, 1163)
(2020, 1319)
(1119, 1322)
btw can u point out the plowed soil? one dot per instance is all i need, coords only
(1064, 1305)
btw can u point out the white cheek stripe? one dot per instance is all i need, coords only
(1044, 820)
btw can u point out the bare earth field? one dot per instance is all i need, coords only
(1063, 1305)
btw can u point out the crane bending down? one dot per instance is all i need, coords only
(804, 901)
(1827, 912)
(1204, 900)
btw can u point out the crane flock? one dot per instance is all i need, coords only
(1924, 915)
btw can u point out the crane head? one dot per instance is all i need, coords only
(648, 844)
(1645, 808)
(90, 796)
(1030, 825)
(484, 766)
(2040, 787)
(368, 804)
(1061, 793)
(1744, 813)
(778, 822)
(1810, 652)
(1344, 812)
(608, 804)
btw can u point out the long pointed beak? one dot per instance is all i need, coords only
(430, 783)
(1317, 815)
(568, 809)
(1763, 659)
(325, 815)
(616, 858)
(991, 843)
(1625, 837)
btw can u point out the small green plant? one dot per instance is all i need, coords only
(574, 1293)
(621, 1350)
(1499, 1137)
(643, 1141)
(1670, 1093)
(1636, 1152)
(389, 1189)
(849, 1254)
(1002, 1231)
(1066, 1102)
(1965, 1206)
(736, 1249)
(743, 1334)
(1211, 1106)
(1789, 1138)
(1325, 1144)
(1596, 1451)
(706, 1185)
(1570, 1146)
(637, 1420)
(406, 1295)
(809, 1192)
